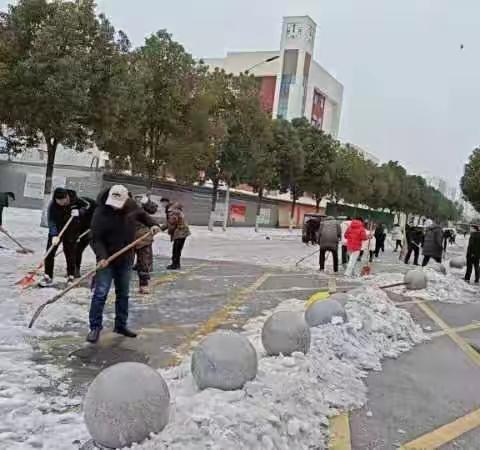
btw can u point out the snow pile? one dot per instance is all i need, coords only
(288, 404)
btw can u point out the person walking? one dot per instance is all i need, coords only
(432, 246)
(4, 200)
(397, 237)
(178, 230)
(113, 228)
(368, 246)
(355, 235)
(473, 255)
(64, 205)
(380, 236)
(144, 250)
(414, 242)
(344, 226)
(329, 235)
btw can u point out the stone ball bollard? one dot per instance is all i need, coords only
(415, 280)
(224, 360)
(324, 311)
(286, 332)
(458, 262)
(125, 403)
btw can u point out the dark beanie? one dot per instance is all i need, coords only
(60, 193)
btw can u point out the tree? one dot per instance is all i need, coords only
(319, 151)
(469, 183)
(290, 160)
(50, 71)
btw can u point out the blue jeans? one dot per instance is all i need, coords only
(119, 273)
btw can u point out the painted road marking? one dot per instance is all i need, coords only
(461, 343)
(446, 433)
(340, 438)
(215, 320)
(472, 326)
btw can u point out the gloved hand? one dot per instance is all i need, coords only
(55, 241)
(75, 213)
(102, 264)
(155, 229)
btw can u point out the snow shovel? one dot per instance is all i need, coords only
(22, 249)
(305, 257)
(29, 279)
(85, 277)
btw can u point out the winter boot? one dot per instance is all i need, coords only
(173, 267)
(144, 290)
(124, 331)
(45, 282)
(70, 280)
(94, 335)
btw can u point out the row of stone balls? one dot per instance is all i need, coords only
(129, 401)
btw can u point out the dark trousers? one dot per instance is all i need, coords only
(473, 262)
(1, 216)
(119, 273)
(344, 255)
(398, 244)
(144, 264)
(73, 252)
(334, 251)
(445, 243)
(371, 252)
(416, 253)
(426, 259)
(379, 245)
(177, 251)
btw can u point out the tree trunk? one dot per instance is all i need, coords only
(292, 210)
(317, 203)
(52, 145)
(227, 208)
(259, 207)
(214, 204)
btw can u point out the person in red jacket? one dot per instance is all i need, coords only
(354, 235)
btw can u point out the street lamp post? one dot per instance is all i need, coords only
(272, 58)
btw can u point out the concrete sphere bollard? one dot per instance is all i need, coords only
(286, 332)
(224, 360)
(322, 312)
(440, 268)
(125, 404)
(415, 280)
(458, 262)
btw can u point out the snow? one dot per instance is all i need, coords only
(286, 406)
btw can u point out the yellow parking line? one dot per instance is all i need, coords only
(461, 343)
(215, 320)
(340, 433)
(472, 326)
(445, 434)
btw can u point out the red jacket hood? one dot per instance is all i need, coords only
(356, 224)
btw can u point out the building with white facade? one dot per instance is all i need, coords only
(293, 84)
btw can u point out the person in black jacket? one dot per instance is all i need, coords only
(113, 228)
(473, 255)
(433, 243)
(4, 197)
(380, 236)
(66, 204)
(414, 242)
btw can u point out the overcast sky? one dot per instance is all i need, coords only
(411, 94)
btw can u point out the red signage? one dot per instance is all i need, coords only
(238, 213)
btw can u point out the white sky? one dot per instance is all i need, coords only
(411, 94)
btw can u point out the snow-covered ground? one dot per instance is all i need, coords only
(286, 406)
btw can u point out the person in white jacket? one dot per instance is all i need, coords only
(368, 246)
(397, 237)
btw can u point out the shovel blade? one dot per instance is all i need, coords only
(26, 281)
(366, 270)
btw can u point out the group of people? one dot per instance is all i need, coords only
(109, 224)
(357, 238)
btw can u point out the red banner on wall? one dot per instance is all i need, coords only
(238, 213)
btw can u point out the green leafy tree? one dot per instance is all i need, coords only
(53, 61)
(319, 151)
(469, 183)
(290, 160)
